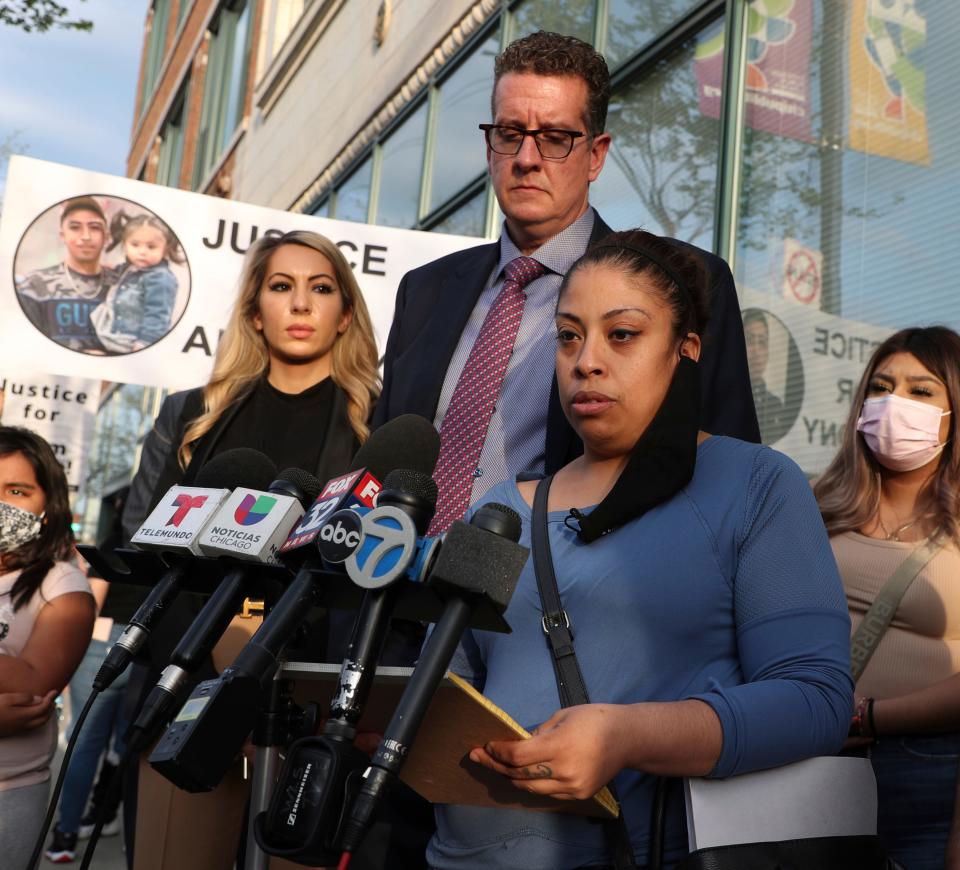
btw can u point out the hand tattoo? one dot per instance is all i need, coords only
(541, 771)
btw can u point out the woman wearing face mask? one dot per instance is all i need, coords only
(46, 619)
(892, 494)
(707, 616)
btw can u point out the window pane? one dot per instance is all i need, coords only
(631, 24)
(661, 170)
(155, 49)
(464, 102)
(323, 209)
(353, 196)
(398, 199)
(224, 88)
(206, 147)
(171, 148)
(847, 221)
(280, 19)
(572, 17)
(466, 220)
(235, 83)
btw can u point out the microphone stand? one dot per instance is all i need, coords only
(279, 722)
(268, 737)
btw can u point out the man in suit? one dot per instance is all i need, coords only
(545, 146)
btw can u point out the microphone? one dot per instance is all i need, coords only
(174, 526)
(200, 744)
(325, 769)
(404, 509)
(407, 441)
(479, 563)
(250, 526)
(387, 542)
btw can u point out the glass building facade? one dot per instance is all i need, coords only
(811, 143)
(818, 157)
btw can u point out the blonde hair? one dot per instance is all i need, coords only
(849, 490)
(242, 355)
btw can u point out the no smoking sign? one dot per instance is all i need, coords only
(801, 273)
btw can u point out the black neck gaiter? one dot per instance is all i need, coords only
(660, 465)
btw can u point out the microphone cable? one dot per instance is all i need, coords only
(113, 792)
(55, 797)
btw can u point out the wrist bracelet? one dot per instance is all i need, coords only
(871, 724)
(860, 721)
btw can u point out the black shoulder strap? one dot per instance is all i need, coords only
(559, 633)
(555, 622)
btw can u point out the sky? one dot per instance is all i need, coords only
(67, 95)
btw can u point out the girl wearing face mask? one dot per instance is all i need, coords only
(893, 489)
(46, 619)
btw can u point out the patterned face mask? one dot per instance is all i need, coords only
(17, 527)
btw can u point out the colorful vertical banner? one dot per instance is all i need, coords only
(778, 68)
(888, 115)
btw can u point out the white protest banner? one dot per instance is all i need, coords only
(62, 410)
(805, 365)
(71, 321)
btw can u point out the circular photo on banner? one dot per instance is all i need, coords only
(101, 275)
(776, 373)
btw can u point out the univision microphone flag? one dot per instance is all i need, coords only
(251, 525)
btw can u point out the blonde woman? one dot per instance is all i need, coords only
(894, 485)
(295, 374)
(295, 377)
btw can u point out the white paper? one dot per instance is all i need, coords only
(818, 797)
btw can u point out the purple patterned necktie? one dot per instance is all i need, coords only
(465, 424)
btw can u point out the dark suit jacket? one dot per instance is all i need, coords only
(159, 470)
(434, 303)
(179, 410)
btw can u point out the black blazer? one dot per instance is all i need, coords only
(434, 303)
(159, 470)
(339, 443)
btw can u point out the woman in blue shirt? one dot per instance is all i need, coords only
(709, 621)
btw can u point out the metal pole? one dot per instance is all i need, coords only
(831, 152)
(266, 764)
(733, 109)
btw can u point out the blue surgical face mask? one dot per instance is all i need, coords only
(17, 527)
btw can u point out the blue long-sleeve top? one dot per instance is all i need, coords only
(727, 593)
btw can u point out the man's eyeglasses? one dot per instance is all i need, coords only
(552, 144)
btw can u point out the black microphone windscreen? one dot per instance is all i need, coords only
(241, 466)
(408, 441)
(308, 485)
(473, 563)
(413, 482)
(499, 519)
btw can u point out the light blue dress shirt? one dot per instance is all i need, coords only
(516, 436)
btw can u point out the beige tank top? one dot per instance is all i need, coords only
(922, 644)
